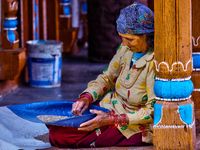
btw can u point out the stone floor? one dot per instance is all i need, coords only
(77, 71)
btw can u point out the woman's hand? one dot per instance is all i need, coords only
(80, 106)
(100, 120)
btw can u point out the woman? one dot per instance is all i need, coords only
(126, 86)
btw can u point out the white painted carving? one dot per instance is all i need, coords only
(173, 126)
(10, 18)
(175, 63)
(65, 16)
(178, 79)
(196, 69)
(198, 90)
(165, 99)
(196, 53)
(13, 4)
(10, 28)
(195, 43)
(168, 126)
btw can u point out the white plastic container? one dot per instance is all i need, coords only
(44, 60)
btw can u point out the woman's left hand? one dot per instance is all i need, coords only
(100, 120)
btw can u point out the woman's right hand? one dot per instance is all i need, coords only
(80, 106)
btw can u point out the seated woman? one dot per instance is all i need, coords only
(126, 86)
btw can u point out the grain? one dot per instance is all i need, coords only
(50, 118)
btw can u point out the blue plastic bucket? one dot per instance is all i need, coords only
(44, 60)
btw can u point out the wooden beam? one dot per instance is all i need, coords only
(43, 19)
(53, 19)
(9, 34)
(196, 60)
(196, 25)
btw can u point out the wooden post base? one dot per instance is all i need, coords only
(174, 125)
(68, 37)
(11, 63)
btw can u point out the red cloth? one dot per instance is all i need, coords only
(68, 137)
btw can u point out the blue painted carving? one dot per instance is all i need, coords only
(10, 23)
(173, 89)
(196, 60)
(84, 7)
(66, 10)
(186, 113)
(11, 36)
(157, 113)
(36, 20)
(65, 1)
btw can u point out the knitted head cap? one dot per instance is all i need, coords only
(136, 19)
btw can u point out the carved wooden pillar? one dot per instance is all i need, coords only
(43, 19)
(35, 17)
(174, 121)
(196, 60)
(52, 19)
(67, 33)
(33, 14)
(12, 58)
(10, 39)
(65, 14)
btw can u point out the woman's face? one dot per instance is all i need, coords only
(135, 43)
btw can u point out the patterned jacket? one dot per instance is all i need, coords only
(128, 91)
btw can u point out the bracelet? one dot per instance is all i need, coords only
(88, 96)
(111, 116)
(116, 123)
(123, 120)
(120, 120)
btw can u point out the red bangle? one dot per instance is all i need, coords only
(88, 96)
(124, 121)
(116, 121)
(120, 120)
(111, 116)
